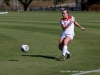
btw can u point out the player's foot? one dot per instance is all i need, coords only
(62, 57)
(68, 56)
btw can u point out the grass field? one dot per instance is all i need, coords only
(41, 31)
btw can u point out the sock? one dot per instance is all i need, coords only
(64, 50)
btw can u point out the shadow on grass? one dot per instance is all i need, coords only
(43, 56)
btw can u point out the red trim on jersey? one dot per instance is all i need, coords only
(65, 19)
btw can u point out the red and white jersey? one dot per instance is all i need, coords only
(65, 22)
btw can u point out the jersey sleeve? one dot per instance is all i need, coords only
(61, 22)
(73, 18)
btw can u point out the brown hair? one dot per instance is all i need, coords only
(66, 11)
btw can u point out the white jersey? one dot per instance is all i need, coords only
(70, 29)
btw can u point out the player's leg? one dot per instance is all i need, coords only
(65, 51)
(61, 43)
(65, 47)
(67, 40)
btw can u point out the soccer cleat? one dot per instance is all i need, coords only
(62, 57)
(68, 56)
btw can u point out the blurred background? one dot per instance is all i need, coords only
(49, 5)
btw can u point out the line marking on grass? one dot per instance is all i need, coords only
(86, 72)
(3, 12)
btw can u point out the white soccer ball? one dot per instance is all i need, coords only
(24, 48)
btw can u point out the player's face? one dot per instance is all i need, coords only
(64, 14)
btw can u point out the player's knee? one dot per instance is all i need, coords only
(65, 43)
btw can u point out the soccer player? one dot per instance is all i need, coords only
(67, 23)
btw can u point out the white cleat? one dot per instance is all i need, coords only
(62, 57)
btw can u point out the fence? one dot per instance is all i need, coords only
(48, 8)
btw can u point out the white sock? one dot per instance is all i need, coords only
(64, 50)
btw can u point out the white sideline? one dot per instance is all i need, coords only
(3, 12)
(86, 72)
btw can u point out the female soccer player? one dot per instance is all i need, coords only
(67, 23)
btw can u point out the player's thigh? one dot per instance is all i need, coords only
(61, 40)
(67, 40)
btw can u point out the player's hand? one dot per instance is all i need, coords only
(83, 29)
(71, 21)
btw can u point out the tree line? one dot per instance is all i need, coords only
(26, 3)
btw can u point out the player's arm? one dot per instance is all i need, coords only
(78, 25)
(66, 26)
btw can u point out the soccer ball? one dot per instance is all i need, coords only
(24, 48)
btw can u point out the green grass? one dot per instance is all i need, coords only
(41, 31)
